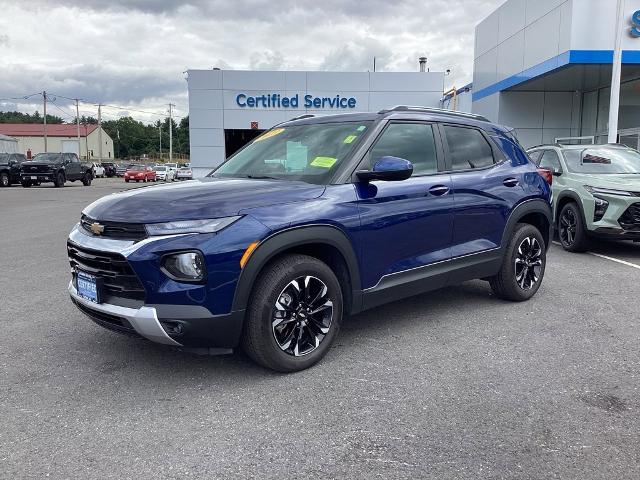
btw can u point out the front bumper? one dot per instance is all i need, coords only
(37, 177)
(143, 320)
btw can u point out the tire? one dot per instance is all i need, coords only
(279, 347)
(86, 179)
(59, 181)
(5, 181)
(523, 266)
(571, 229)
(25, 183)
(126, 180)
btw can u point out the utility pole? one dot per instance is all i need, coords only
(44, 96)
(78, 125)
(160, 135)
(100, 131)
(614, 100)
(170, 134)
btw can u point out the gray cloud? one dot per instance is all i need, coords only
(133, 52)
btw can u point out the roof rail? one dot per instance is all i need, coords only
(440, 111)
(306, 115)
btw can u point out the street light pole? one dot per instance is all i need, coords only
(44, 96)
(170, 134)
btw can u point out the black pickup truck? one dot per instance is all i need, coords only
(10, 165)
(56, 168)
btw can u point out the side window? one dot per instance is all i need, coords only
(412, 141)
(74, 158)
(468, 148)
(535, 156)
(550, 160)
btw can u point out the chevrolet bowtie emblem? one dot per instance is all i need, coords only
(96, 228)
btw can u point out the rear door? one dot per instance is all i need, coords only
(406, 225)
(485, 188)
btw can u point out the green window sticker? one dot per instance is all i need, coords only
(350, 138)
(323, 162)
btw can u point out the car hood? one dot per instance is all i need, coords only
(198, 199)
(630, 182)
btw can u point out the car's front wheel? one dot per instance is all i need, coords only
(59, 180)
(571, 229)
(294, 314)
(523, 265)
(86, 179)
(4, 179)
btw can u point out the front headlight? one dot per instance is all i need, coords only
(190, 226)
(607, 191)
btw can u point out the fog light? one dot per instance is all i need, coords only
(185, 266)
(600, 208)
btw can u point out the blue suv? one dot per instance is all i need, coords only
(317, 218)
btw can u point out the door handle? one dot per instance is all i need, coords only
(510, 182)
(439, 190)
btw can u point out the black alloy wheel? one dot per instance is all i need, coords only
(523, 266)
(4, 179)
(302, 316)
(59, 181)
(293, 314)
(571, 230)
(528, 263)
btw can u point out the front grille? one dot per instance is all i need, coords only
(37, 169)
(108, 321)
(630, 219)
(118, 278)
(120, 230)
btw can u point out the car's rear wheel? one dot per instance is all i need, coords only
(59, 180)
(523, 265)
(294, 314)
(4, 179)
(571, 229)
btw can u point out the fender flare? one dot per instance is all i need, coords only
(537, 205)
(573, 196)
(295, 237)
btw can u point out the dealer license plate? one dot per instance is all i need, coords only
(88, 286)
(34, 178)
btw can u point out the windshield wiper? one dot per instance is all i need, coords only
(261, 177)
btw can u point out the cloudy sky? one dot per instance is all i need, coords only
(132, 53)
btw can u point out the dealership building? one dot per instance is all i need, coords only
(544, 68)
(227, 108)
(540, 66)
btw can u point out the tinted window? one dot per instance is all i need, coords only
(468, 148)
(550, 160)
(412, 141)
(73, 158)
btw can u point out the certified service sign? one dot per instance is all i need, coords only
(635, 20)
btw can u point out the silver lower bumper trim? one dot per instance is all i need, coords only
(144, 319)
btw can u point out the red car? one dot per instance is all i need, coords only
(140, 173)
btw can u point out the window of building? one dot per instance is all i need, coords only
(468, 148)
(414, 142)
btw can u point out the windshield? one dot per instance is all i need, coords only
(603, 160)
(159, 169)
(310, 153)
(48, 157)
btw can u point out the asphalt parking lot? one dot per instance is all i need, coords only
(453, 384)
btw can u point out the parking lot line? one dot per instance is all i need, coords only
(606, 257)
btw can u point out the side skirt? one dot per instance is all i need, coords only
(412, 282)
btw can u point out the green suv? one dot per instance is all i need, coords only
(596, 191)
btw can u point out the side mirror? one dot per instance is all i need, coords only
(557, 172)
(387, 168)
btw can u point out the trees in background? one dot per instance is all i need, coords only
(131, 138)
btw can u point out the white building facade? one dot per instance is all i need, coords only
(544, 68)
(228, 108)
